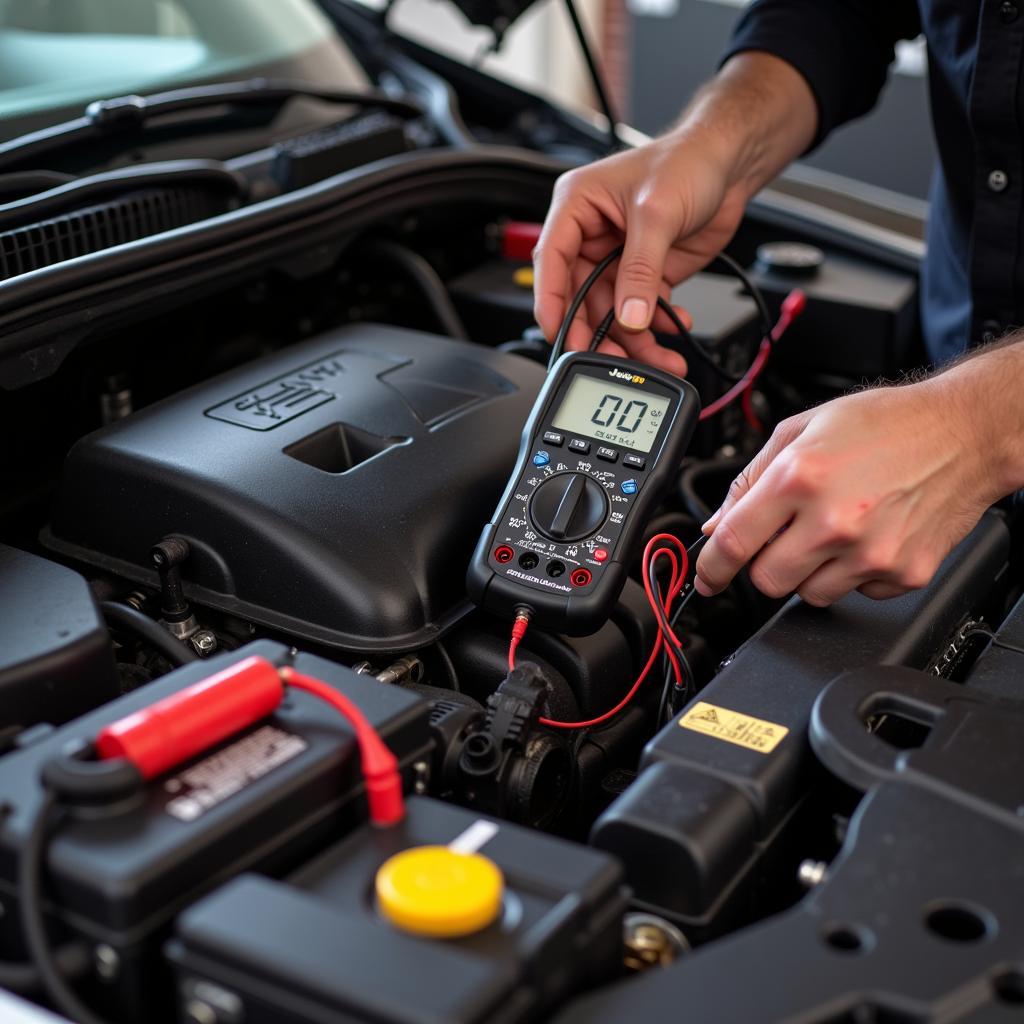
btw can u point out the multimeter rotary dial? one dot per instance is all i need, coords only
(568, 507)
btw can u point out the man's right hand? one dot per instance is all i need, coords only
(675, 204)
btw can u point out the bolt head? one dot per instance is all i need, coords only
(205, 642)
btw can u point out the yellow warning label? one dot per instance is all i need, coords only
(743, 730)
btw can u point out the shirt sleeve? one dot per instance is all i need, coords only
(843, 48)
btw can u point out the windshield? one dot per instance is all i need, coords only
(59, 54)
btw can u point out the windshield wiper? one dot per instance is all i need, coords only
(125, 115)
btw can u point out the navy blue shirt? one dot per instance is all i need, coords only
(973, 279)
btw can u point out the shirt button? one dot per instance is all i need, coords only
(990, 330)
(998, 180)
(1008, 12)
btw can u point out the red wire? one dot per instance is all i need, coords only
(680, 568)
(746, 381)
(748, 411)
(792, 306)
(657, 599)
(379, 764)
(519, 628)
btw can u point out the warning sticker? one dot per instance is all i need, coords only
(743, 730)
(211, 781)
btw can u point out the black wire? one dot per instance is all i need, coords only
(595, 74)
(427, 280)
(681, 329)
(659, 610)
(685, 598)
(666, 690)
(752, 290)
(695, 346)
(30, 900)
(558, 345)
(663, 622)
(146, 629)
(993, 639)
(690, 686)
(602, 330)
(449, 666)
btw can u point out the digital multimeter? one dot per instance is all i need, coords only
(605, 438)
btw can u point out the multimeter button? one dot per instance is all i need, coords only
(608, 454)
(553, 438)
(634, 461)
(541, 459)
(629, 487)
(568, 507)
(579, 445)
(600, 554)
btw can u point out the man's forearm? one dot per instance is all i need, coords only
(756, 116)
(983, 393)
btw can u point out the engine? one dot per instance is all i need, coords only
(266, 474)
(304, 507)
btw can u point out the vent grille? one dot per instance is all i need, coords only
(90, 229)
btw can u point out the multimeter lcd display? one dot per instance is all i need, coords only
(626, 416)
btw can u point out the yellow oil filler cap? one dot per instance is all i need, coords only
(433, 890)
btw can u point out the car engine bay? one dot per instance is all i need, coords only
(257, 440)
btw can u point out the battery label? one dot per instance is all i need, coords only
(211, 781)
(731, 726)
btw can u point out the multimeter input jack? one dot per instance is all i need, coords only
(528, 560)
(504, 554)
(580, 577)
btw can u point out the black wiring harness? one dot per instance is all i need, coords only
(691, 344)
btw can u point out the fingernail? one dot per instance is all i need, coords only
(635, 314)
(711, 523)
(701, 587)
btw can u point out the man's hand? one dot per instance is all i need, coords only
(674, 203)
(871, 491)
(668, 202)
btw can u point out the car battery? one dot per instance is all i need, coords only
(446, 917)
(267, 798)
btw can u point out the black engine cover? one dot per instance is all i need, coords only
(332, 490)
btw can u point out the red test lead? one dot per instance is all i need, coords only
(379, 764)
(792, 306)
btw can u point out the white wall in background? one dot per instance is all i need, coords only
(539, 52)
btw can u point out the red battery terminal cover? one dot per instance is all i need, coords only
(172, 730)
(519, 239)
(192, 720)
